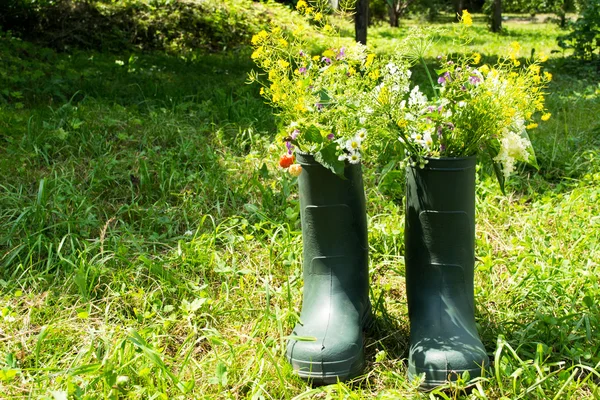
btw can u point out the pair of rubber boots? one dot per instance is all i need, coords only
(327, 345)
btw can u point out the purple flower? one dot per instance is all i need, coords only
(302, 70)
(439, 57)
(440, 108)
(431, 109)
(295, 134)
(474, 80)
(450, 125)
(326, 60)
(319, 106)
(302, 53)
(341, 54)
(463, 88)
(439, 131)
(330, 136)
(290, 147)
(444, 78)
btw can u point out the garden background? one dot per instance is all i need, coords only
(150, 246)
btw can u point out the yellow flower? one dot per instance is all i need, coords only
(257, 53)
(546, 117)
(402, 123)
(535, 68)
(537, 79)
(383, 97)
(351, 71)
(262, 91)
(267, 63)
(516, 62)
(374, 74)
(513, 74)
(466, 18)
(308, 10)
(484, 69)
(543, 57)
(548, 76)
(272, 75)
(533, 125)
(516, 47)
(283, 64)
(318, 16)
(528, 114)
(476, 58)
(301, 4)
(328, 29)
(260, 37)
(370, 58)
(299, 106)
(316, 58)
(283, 42)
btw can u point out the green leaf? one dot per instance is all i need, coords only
(328, 158)
(313, 134)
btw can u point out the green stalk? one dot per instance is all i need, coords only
(429, 76)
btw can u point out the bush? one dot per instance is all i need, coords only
(175, 26)
(584, 38)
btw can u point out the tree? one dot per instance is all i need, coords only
(496, 17)
(396, 9)
(361, 20)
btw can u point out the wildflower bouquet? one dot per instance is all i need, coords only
(319, 97)
(474, 108)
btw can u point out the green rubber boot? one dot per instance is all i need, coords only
(440, 248)
(335, 306)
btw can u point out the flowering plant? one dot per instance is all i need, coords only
(319, 97)
(473, 108)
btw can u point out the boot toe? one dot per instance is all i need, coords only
(339, 356)
(446, 360)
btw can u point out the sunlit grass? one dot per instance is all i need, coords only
(150, 248)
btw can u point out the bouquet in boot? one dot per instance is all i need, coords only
(474, 108)
(319, 96)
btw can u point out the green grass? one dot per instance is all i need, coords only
(150, 248)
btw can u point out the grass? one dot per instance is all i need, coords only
(150, 248)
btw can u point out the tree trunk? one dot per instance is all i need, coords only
(394, 20)
(459, 6)
(334, 4)
(361, 20)
(496, 15)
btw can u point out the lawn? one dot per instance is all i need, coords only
(150, 246)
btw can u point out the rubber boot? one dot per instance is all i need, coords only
(335, 306)
(440, 259)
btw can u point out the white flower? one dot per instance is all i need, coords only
(416, 98)
(513, 147)
(368, 110)
(361, 134)
(392, 68)
(462, 103)
(362, 120)
(354, 158)
(353, 144)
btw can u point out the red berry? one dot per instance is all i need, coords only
(286, 160)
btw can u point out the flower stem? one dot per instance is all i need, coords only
(435, 93)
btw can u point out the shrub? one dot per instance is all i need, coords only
(175, 26)
(584, 37)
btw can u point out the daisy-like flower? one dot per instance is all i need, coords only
(354, 158)
(353, 145)
(361, 134)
